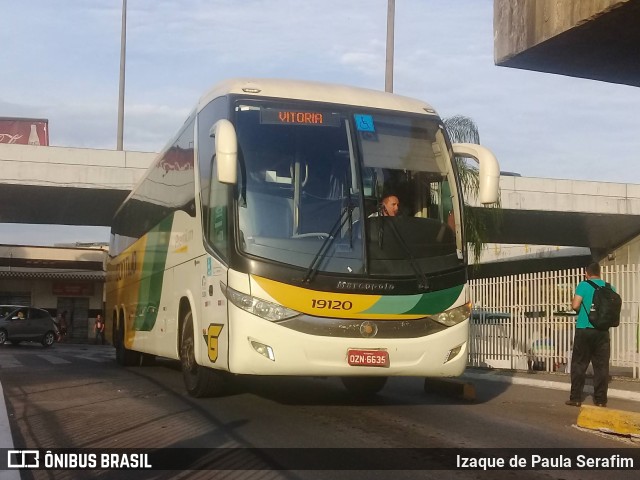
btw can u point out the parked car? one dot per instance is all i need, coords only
(27, 324)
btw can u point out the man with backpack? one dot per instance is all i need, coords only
(591, 344)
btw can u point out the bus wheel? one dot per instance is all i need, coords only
(124, 356)
(364, 386)
(199, 381)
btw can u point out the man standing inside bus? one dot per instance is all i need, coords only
(589, 344)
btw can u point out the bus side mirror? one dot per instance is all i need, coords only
(226, 148)
(489, 177)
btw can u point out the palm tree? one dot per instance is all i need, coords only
(462, 129)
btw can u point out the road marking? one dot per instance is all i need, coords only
(9, 361)
(94, 359)
(53, 359)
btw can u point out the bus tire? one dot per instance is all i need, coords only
(124, 356)
(363, 387)
(198, 380)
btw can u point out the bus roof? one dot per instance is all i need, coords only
(315, 91)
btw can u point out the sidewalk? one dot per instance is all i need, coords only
(6, 441)
(607, 420)
(621, 387)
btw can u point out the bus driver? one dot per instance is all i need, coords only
(388, 207)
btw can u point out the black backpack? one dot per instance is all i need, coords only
(605, 310)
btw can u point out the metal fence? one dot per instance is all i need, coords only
(525, 321)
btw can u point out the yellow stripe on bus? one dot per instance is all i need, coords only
(128, 272)
(330, 304)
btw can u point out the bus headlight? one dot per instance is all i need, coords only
(454, 316)
(264, 350)
(261, 308)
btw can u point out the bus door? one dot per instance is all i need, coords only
(214, 320)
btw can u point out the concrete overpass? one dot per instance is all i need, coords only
(549, 212)
(78, 186)
(546, 211)
(66, 186)
(596, 39)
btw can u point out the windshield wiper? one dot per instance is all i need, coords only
(423, 282)
(345, 215)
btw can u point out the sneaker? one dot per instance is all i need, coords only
(572, 403)
(600, 404)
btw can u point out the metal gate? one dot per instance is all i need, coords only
(525, 321)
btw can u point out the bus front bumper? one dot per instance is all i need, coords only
(259, 347)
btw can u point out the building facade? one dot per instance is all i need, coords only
(57, 279)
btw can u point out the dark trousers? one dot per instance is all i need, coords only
(590, 345)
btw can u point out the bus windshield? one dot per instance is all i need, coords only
(311, 182)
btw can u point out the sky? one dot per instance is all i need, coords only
(61, 61)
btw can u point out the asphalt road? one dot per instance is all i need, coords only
(75, 396)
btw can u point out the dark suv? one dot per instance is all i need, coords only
(26, 324)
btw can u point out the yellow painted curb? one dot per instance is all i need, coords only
(451, 386)
(609, 420)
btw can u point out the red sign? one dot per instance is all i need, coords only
(24, 131)
(368, 358)
(72, 289)
(177, 159)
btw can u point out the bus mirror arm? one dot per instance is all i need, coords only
(226, 151)
(489, 176)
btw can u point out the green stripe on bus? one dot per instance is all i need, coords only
(154, 264)
(394, 304)
(423, 304)
(437, 302)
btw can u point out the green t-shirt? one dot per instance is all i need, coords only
(586, 292)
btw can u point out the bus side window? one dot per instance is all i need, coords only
(218, 208)
(214, 195)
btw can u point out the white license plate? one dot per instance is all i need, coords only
(368, 358)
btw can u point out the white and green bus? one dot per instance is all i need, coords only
(255, 243)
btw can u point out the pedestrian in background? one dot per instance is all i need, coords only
(589, 344)
(99, 330)
(62, 325)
